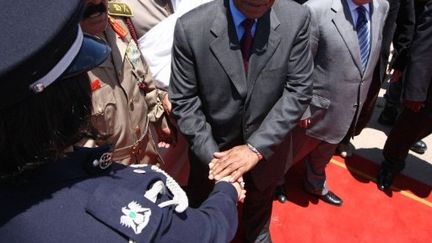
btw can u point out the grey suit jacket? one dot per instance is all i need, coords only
(217, 106)
(340, 85)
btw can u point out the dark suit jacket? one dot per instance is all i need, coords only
(419, 70)
(217, 106)
(399, 28)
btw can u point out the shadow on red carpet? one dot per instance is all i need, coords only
(367, 215)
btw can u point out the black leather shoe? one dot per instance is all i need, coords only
(419, 147)
(385, 179)
(345, 149)
(388, 115)
(281, 194)
(331, 198)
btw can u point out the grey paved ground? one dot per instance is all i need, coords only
(370, 142)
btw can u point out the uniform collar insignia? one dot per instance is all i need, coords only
(104, 161)
(95, 160)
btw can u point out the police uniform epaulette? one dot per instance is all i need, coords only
(119, 9)
(125, 210)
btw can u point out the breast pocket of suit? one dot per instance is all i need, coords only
(104, 110)
(274, 73)
(318, 108)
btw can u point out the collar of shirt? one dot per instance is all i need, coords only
(353, 10)
(238, 18)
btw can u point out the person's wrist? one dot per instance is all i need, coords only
(239, 186)
(253, 149)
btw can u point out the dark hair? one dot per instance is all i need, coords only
(41, 127)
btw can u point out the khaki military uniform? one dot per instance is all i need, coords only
(148, 13)
(121, 109)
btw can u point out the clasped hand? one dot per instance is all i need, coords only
(239, 185)
(233, 163)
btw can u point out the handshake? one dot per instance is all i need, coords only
(239, 185)
(230, 165)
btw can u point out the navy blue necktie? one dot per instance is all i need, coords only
(363, 35)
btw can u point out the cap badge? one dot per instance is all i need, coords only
(135, 217)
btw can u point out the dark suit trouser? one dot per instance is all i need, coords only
(257, 206)
(393, 93)
(199, 186)
(409, 128)
(257, 210)
(316, 154)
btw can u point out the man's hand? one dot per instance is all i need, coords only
(233, 162)
(413, 105)
(304, 123)
(167, 134)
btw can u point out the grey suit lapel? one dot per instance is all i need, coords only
(347, 31)
(266, 41)
(229, 58)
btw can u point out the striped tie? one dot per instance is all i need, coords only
(363, 36)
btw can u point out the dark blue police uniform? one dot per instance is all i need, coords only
(83, 197)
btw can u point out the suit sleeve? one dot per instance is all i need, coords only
(187, 105)
(419, 70)
(314, 30)
(404, 33)
(214, 221)
(296, 96)
(313, 42)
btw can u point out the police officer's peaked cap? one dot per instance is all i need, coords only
(41, 42)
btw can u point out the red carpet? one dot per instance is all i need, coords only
(367, 215)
